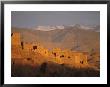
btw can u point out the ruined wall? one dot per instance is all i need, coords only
(85, 57)
(30, 50)
(81, 58)
(69, 57)
(16, 39)
(27, 46)
(16, 45)
(16, 52)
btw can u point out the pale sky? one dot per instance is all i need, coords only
(30, 19)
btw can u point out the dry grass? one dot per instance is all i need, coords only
(50, 69)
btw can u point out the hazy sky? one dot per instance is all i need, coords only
(32, 19)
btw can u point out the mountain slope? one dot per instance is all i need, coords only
(74, 39)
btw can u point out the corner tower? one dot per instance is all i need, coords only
(16, 39)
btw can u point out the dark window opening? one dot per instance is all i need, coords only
(62, 56)
(34, 47)
(54, 54)
(22, 45)
(28, 59)
(69, 57)
(81, 62)
(11, 34)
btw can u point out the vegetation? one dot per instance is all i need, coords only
(49, 69)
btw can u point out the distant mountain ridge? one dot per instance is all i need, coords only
(85, 27)
(48, 28)
(68, 38)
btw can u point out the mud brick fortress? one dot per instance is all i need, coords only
(25, 51)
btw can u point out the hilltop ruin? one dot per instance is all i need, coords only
(27, 51)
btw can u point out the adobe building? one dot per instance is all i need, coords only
(70, 57)
(56, 52)
(29, 50)
(79, 58)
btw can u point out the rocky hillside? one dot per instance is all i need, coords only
(69, 38)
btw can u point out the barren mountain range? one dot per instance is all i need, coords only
(73, 38)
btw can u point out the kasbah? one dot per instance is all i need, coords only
(26, 51)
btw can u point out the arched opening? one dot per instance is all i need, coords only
(34, 47)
